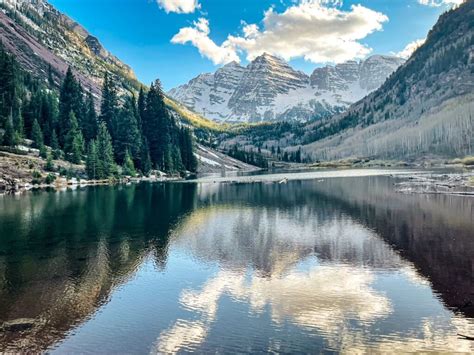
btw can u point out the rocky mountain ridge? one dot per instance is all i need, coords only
(269, 89)
(46, 42)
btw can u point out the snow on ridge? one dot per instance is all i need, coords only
(268, 88)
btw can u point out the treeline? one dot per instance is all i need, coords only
(127, 136)
(250, 157)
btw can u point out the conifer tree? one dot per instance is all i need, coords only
(90, 124)
(37, 135)
(55, 145)
(48, 115)
(10, 137)
(145, 160)
(49, 162)
(128, 167)
(141, 105)
(70, 99)
(109, 105)
(74, 142)
(105, 153)
(8, 84)
(187, 150)
(17, 118)
(128, 136)
(157, 127)
(92, 162)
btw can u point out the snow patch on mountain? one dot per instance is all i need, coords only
(269, 89)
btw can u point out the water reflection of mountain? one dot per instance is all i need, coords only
(262, 236)
(434, 232)
(62, 254)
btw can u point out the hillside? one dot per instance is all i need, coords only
(424, 108)
(46, 42)
(269, 89)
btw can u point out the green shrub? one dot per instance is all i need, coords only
(50, 179)
(36, 174)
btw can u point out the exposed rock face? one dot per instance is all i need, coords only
(43, 39)
(269, 89)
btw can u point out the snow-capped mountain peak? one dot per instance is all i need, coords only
(268, 88)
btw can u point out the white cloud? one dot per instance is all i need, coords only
(198, 36)
(316, 30)
(179, 6)
(436, 3)
(410, 48)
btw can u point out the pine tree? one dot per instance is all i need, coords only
(176, 161)
(48, 115)
(8, 84)
(10, 137)
(128, 137)
(128, 167)
(70, 99)
(157, 127)
(105, 153)
(55, 145)
(49, 163)
(90, 124)
(145, 160)
(187, 147)
(37, 135)
(92, 162)
(109, 105)
(141, 105)
(74, 142)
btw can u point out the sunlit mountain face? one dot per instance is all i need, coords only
(328, 264)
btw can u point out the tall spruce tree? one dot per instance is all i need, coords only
(128, 137)
(105, 153)
(10, 137)
(145, 160)
(8, 84)
(157, 127)
(109, 105)
(70, 99)
(55, 145)
(141, 105)
(37, 135)
(92, 161)
(186, 144)
(128, 168)
(90, 124)
(74, 142)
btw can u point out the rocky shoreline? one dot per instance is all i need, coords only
(461, 184)
(17, 186)
(21, 173)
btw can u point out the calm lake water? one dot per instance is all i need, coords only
(339, 264)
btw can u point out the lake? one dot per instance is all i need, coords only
(338, 263)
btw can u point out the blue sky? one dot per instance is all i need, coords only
(175, 40)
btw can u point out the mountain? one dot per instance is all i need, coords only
(425, 108)
(268, 89)
(46, 42)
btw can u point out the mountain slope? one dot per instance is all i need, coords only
(268, 89)
(425, 107)
(45, 42)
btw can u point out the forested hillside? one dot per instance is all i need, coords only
(425, 107)
(126, 136)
